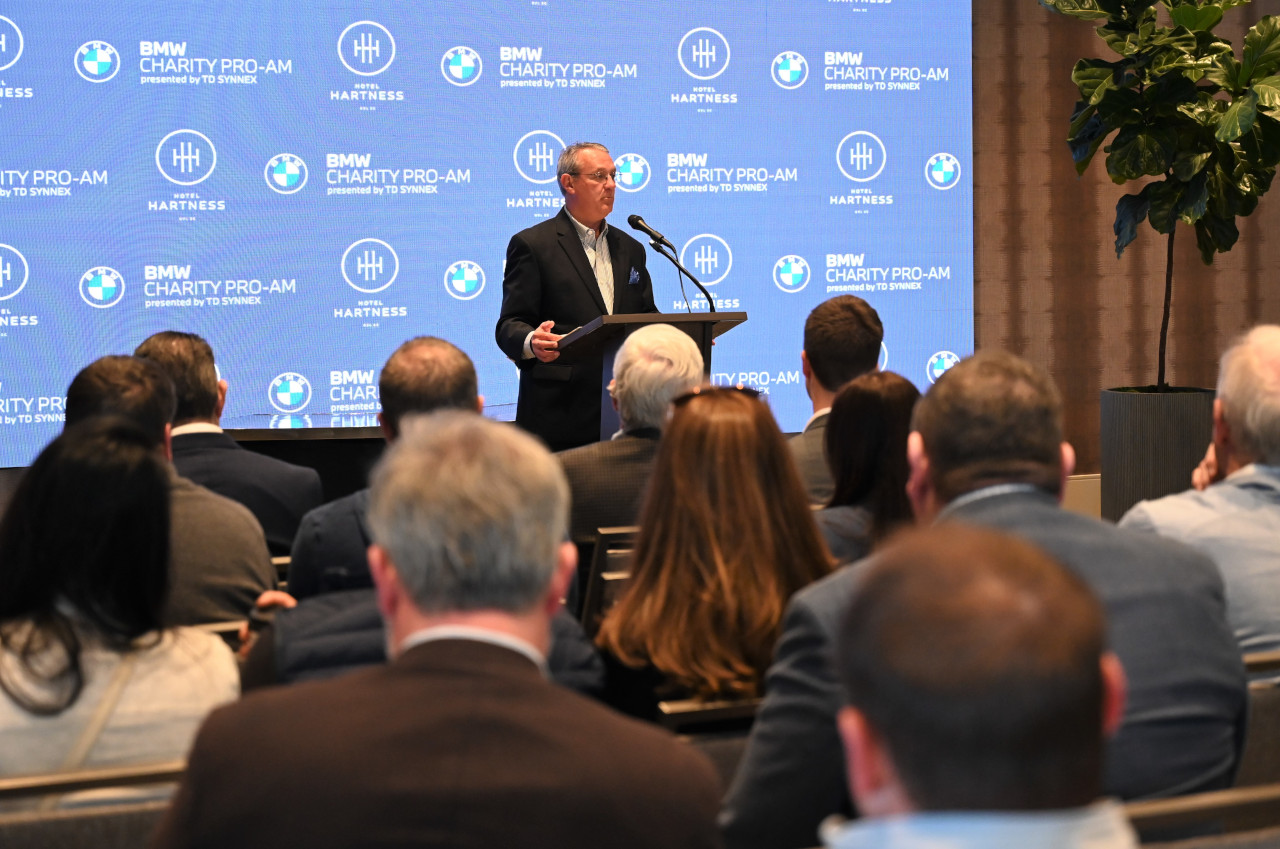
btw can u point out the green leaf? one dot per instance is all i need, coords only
(1194, 203)
(1268, 90)
(1086, 9)
(1239, 118)
(1121, 107)
(1136, 153)
(1262, 145)
(1261, 50)
(1191, 17)
(1086, 142)
(1094, 78)
(1162, 199)
(1130, 210)
(1186, 164)
(1224, 71)
(1215, 235)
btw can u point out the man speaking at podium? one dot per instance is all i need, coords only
(561, 274)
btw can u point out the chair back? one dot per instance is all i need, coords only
(1260, 762)
(609, 575)
(99, 827)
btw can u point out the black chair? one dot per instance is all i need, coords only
(608, 576)
(718, 729)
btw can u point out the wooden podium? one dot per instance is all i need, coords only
(604, 335)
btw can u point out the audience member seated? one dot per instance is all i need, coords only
(276, 492)
(866, 441)
(986, 449)
(460, 740)
(726, 537)
(977, 695)
(607, 479)
(218, 557)
(422, 375)
(842, 338)
(333, 633)
(89, 676)
(1236, 521)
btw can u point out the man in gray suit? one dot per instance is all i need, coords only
(655, 364)
(842, 339)
(987, 449)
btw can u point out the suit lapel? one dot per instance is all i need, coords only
(572, 246)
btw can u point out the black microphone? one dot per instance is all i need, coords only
(637, 223)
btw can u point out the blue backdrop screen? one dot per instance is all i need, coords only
(309, 184)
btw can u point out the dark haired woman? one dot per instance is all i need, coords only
(88, 676)
(726, 536)
(866, 447)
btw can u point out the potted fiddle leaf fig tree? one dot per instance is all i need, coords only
(1192, 126)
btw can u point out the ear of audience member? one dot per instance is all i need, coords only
(85, 548)
(866, 447)
(725, 538)
(973, 665)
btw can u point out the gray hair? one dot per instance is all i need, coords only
(1249, 388)
(654, 365)
(471, 511)
(568, 162)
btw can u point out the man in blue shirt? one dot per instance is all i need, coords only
(1236, 520)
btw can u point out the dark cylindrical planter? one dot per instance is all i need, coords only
(1151, 442)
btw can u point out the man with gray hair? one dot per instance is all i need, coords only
(560, 275)
(607, 479)
(460, 740)
(1236, 519)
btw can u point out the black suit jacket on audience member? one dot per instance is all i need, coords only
(1183, 725)
(548, 278)
(456, 743)
(329, 550)
(607, 481)
(277, 493)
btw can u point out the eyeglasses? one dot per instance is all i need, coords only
(681, 400)
(598, 176)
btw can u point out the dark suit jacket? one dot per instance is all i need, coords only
(329, 550)
(457, 743)
(810, 455)
(1183, 725)
(277, 493)
(337, 632)
(548, 278)
(607, 481)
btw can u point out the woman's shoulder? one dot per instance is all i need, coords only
(188, 657)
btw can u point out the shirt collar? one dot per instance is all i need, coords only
(1102, 824)
(479, 635)
(985, 493)
(817, 414)
(196, 427)
(584, 232)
